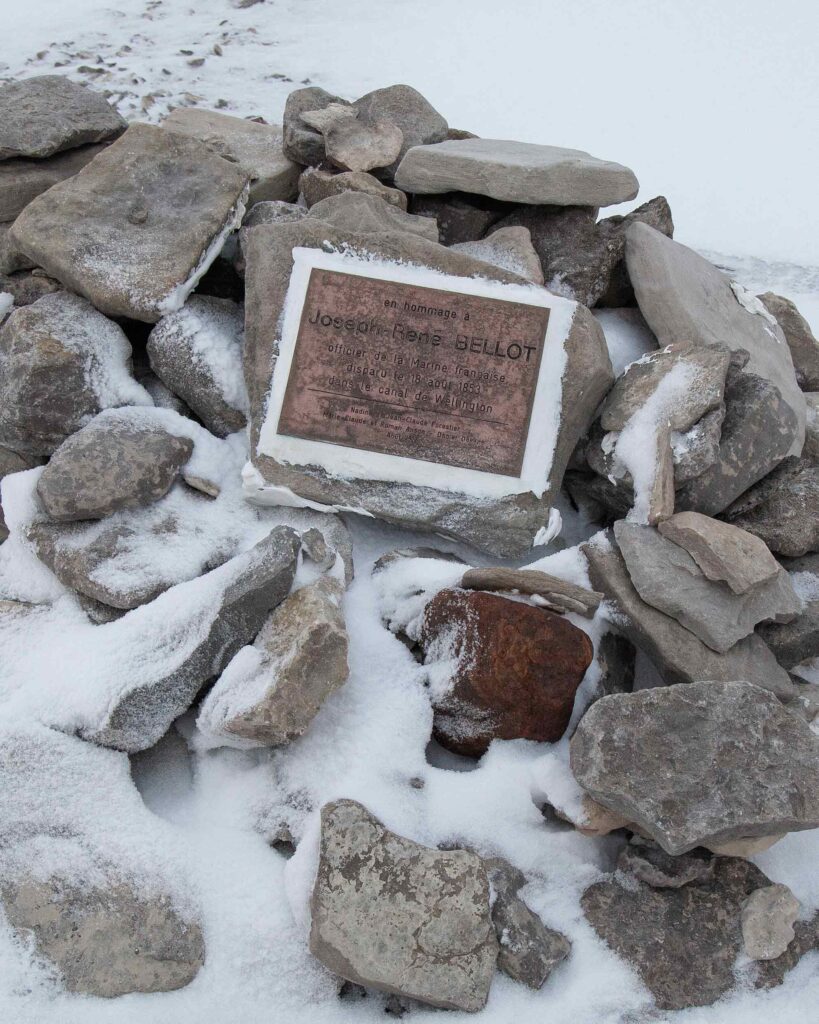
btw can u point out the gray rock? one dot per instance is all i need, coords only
(197, 353)
(696, 450)
(615, 658)
(811, 449)
(272, 213)
(255, 147)
(271, 692)
(768, 917)
(419, 121)
(519, 172)
(300, 142)
(803, 345)
(679, 656)
(770, 973)
(355, 145)
(136, 229)
(723, 552)
(668, 578)
(61, 362)
(11, 259)
(119, 460)
(49, 113)
(509, 248)
(657, 214)
(685, 298)
(27, 287)
(682, 942)
(399, 917)
(651, 864)
(702, 763)
(325, 118)
(529, 951)
(315, 185)
(360, 213)
(461, 217)
(22, 180)
(796, 641)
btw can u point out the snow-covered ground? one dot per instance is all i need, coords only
(713, 105)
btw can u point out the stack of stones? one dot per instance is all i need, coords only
(124, 364)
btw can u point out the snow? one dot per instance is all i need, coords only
(6, 303)
(627, 336)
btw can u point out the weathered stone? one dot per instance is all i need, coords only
(117, 461)
(27, 287)
(519, 172)
(300, 142)
(811, 450)
(768, 917)
(358, 212)
(529, 951)
(255, 147)
(782, 509)
(461, 217)
(315, 185)
(22, 180)
(706, 762)
(803, 345)
(323, 119)
(651, 864)
(419, 121)
(744, 847)
(11, 259)
(509, 248)
(197, 353)
(399, 917)
(49, 113)
(551, 592)
(685, 298)
(355, 145)
(770, 973)
(271, 692)
(615, 657)
(273, 212)
(723, 552)
(136, 229)
(510, 670)
(667, 577)
(796, 641)
(61, 362)
(657, 214)
(696, 450)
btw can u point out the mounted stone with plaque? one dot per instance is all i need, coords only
(393, 377)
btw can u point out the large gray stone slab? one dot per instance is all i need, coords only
(137, 227)
(703, 763)
(397, 916)
(519, 172)
(49, 113)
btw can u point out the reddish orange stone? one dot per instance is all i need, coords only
(517, 669)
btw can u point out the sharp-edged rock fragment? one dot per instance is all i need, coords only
(300, 142)
(359, 212)
(401, 105)
(315, 185)
(461, 217)
(768, 917)
(394, 915)
(355, 145)
(803, 345)
(509, 248)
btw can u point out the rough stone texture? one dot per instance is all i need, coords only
(265, 213)
(26, 288)
(667, 577)
(529, 951)
(12, 462)
(270, 696)
(358, 212)
(706, 762)
(197, 353)
(354, 145)
(49, 113)
(61, 362)
(651, 864)
(685, 298)
(803, 345)
(657, 214)
(11, 259)
(723, 552)
(509, 248)
(505, 526)
(682, 942)
(461, 217)
(798, 641)
(22, 180)
(768, 917)
(256, 148)
(134, 229)
(114, 462)
(519, 172)
(811, 449)
(419, 121)
(696, 450)
(300, 142)
(515, 673)
(399, 917)
(315, 185)
(770, 973)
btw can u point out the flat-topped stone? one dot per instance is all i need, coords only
(520, 172)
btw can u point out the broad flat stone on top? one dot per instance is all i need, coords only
(519, 172)
(136, 228)
(257, 148)
(685, 298)
(23, 179)
(44, 115)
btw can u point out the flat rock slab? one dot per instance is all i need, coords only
(519, 172)
(397, 916)
(44, 115)
(668, 578)
(702, 763)
(136, 228)
(22, 180)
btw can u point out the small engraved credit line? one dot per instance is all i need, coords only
(406, 408)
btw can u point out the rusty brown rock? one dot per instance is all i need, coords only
(515, 669)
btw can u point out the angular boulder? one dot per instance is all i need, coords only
(315, 185)
(509, 248)
(300, 142)
(357, 211)
(782, 509)
(803, 345)
(461, 217)
(355, 145)
(405, 107)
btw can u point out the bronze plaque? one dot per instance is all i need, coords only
(414, 371)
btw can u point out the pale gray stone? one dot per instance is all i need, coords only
(354, 145)
(264, 213)
(419, 121)
(798, 641)
(315, 185)
(519, 172)
(49, 113)
(803, 345)
(390, 914)
(782, 509)
(255, 147)
(22, 180)
(134, 230)
(509, 248)
(743, 765)
(300, 142)
(361, 213)
(324, 118)
(768, 917)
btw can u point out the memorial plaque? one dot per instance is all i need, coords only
(414, 371)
